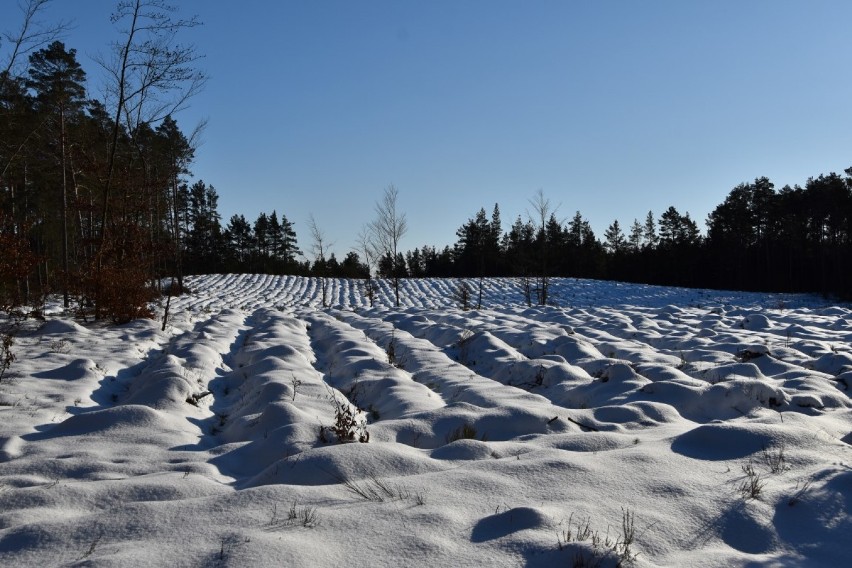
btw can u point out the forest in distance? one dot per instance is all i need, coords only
(796, 239)
(97, 203)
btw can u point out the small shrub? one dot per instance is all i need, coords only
(538, 380)
(368, 289)
(7, 357)
(60, 346)
(306, 516)
(348, 425)
(464, 432)
(461, 295)
(391, 350)
(525, 283)
(393, 358)
(463, 347)
(379, 490)
(115, 283)
(295, 383)
(800, 493)
(775, 459)
(603, 547)
(17, 263)
(628, 533)
(752, 485)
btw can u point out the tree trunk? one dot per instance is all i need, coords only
(65, 301)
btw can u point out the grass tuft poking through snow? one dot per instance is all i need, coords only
(590, 548)
(752, 485)
(305, 516)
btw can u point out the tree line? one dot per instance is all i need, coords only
(91, 200)
(796, 239)
(95, 202)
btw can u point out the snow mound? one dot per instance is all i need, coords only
(715, 442)
(109, 421)
(485, 433)
(832, 363)
(755, 322)
(508, 522)
(346, 462)
(463, 450)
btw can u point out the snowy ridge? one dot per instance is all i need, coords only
(716, 424)
(250, 292)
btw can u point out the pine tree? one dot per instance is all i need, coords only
(177, 154)
(634, 241)
(557, 244)
(289, 247)
(261, 241)
(58, 81)
(205, 243)
(494, 252)
(238, 235)
(614, 238)
(276, 243)
(650, 232)
(575, 231)
(472, 246)
(351, 267)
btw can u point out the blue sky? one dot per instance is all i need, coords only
(612, 108)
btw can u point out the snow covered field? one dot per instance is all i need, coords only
(636, 424)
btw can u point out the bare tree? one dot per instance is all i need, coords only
(388, 228)
(32, 35)
(151, 76)
(320, 249)
(366, 245)
(542, 209)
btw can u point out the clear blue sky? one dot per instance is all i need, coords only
(612, 108)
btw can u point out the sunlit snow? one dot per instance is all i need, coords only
(713, 427)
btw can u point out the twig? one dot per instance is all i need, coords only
(581, 425)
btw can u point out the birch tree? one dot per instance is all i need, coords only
(388, 229)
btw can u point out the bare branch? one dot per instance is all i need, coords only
(390, 224)
(32, 35)
(153, 76)
(388, 229)
(366, 244)
(321, 245)
(320, 248)
(542, 208)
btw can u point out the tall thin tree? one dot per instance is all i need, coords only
(388, 229)
(58, 81)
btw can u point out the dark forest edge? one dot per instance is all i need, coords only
(95, 204)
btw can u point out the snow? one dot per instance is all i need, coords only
(503, 436)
